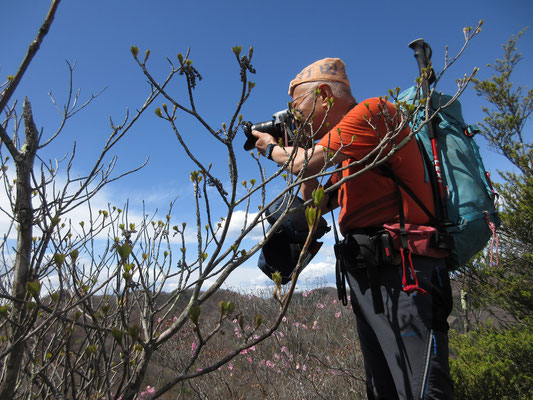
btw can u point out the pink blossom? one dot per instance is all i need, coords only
(320, 305)
(244, 351)
(252, 348)
(284, 319)
(337, 314)
(270, 364)
(193, 347)
(159, 320)
(150, 389)
(249, 359)
(175, 319)
(284, 350)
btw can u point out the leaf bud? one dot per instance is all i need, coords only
(222, 307)
(194, 314)
(310, 215)
(318, 195)
(117, 334)
(124, 251)
(134, 331)
(276, 277)
(257, 321)
(33, 288)
(134, 51)
(59, 259)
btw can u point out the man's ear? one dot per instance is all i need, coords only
(325, 93)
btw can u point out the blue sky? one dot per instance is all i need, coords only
(371, 38)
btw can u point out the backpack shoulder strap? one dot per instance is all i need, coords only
(387, 171)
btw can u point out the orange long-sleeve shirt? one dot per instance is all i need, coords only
(371, 199)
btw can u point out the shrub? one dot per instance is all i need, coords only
(492, 363)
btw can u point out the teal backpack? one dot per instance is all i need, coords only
(467, 217)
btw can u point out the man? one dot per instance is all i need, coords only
(405, 346)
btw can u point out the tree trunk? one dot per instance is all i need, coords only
(24, 161)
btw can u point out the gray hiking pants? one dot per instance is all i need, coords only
(405, 348)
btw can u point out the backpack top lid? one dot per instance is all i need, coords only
(281, 251)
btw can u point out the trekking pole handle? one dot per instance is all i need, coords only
(422, 52)
(423, 58)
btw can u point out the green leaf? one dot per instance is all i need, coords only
(318, 195)
(91, 349)
(276, 277)
(3, 310)
(33, 288)
(222, 307)
(74, 255)
(134, 331)
(258, 320)
(194, 314)
(310, 215)
(124, 251)
(59, 259)
(117, 335)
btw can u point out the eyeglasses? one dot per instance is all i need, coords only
(304, 95)
(295, 109)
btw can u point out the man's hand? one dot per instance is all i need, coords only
(263, 140)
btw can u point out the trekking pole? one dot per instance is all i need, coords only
(423, 57)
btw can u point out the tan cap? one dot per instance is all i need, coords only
(327, 69)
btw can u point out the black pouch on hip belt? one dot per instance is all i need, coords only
(360, 250)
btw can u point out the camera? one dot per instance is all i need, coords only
(281, 126)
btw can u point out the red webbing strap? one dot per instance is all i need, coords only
(409, 288)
